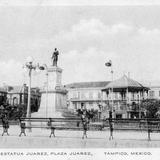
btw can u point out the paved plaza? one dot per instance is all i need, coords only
(39, 138)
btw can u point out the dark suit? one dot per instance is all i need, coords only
(55, 57)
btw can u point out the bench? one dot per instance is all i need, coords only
(29, 123)
(152, 126)
(149, 125)
(97, 125)
(48, 123)
(66, 123)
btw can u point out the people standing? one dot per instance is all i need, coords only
(111, 127)
(85, 125)
(5, 123)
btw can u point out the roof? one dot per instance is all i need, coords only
(124, 82)
(155, 87)
(99, 84)
(15, 89)
(21, 89)
(2, 89)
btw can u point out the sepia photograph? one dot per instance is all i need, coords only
(79, 79)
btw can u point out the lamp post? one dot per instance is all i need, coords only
(109, 64)
(29, 65)
(44, 67)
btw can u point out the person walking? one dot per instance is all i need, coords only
(85, 125)
(5, 124)
(111, 129)
(23, 128)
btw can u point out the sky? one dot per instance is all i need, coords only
(86, 36)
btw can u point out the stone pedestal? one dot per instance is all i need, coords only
(53, 98)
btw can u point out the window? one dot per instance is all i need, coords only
(15, 101)
(75, 105)
(116, 96)
(83, 95)
(132, 96)
(90, 95)
(78, 94)
(90, 104)
(74, 94)
(119, 116)
(99, 95)
(151, 94)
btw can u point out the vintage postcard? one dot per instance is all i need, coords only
(79, 79)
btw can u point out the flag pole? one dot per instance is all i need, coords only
(109, 64)
(112, 89)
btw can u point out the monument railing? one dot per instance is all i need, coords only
(147, 125)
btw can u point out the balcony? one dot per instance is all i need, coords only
(123, 106)
(84, 99)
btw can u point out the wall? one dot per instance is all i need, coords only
(154, 92)
(90, 97)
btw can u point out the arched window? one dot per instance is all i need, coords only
(15, 101)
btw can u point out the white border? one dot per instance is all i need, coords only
(78, 2)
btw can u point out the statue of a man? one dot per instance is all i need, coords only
(55, 57)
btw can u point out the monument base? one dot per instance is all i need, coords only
(54, 97)
(53, 104)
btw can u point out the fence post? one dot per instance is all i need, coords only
(149, 130)
(111, 128)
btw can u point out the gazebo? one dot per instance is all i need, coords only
(124, 96)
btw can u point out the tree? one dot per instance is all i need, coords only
(13, 112)
(151, 107)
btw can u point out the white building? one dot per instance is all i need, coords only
(124, 102)
(154, 92)
(88, 94)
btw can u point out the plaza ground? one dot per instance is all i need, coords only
(39, 138)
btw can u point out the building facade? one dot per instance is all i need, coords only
(124, 97)
(3, 96)
(154, 92)
(123, 102)
(86, 94)
(18, 95)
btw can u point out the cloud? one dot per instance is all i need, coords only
(86, 46)
(89, 43)
(11, 72)
(93, 28)
(88, 65)
(96, 27)
(149, 32)
(88, 33)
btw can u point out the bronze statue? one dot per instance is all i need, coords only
(55, 57)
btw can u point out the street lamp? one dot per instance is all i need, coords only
(29, 65)
(109, 64)
(44, 67)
